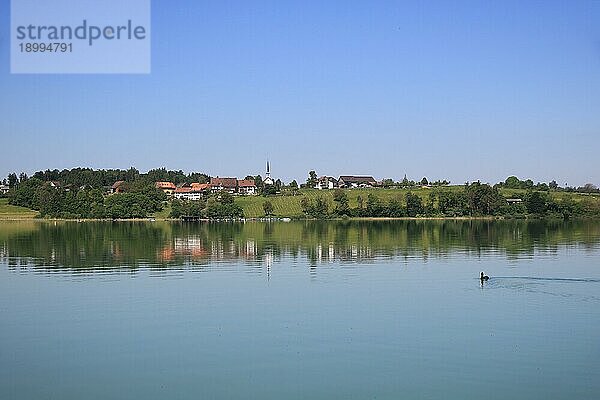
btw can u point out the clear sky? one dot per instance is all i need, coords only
(447, 90)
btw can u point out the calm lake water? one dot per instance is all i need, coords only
(300, 310)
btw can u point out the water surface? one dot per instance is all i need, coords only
(300, 310)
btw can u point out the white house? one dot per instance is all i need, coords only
(188, 193)
(246, 187)
(350, 181)
(4, 189)
(228, 184)
(326, 182)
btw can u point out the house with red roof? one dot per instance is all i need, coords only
(246, 187)
(228, 184)
(167, 187)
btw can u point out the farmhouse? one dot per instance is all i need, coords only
(201, 187)
(188, 193)
(4, 189)
(228, 184)
(326, 182)
(118, 187)
(167, 187)
(246, 187)
(350, 181)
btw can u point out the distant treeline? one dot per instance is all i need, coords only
(512, 182)
(89, 178)
(472, 200)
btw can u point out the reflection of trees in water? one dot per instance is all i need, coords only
(164, 245)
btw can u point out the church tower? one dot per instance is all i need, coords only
(268, 180)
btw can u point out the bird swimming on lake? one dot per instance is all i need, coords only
(484, 277)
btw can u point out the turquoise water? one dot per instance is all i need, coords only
(348, 310)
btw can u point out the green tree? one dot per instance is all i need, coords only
(12, 180)
(430, 204)
(374, 207)
(414, 205)
(482, 199)
(268, 208)
(512, 182)
(341, 202)
(311, 182)
(394, 208)
(536, 203)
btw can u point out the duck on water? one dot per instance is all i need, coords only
(483, 277)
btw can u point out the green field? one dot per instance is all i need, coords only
(13, 212)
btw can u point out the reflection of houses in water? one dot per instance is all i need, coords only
(349, 252)
(250, 253)
(269, 259)
(218, 250)
(198, 248)
(191, 245)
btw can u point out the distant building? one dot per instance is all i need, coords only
(4, 189)
(118, 187)
(268, 180)
(514, 201)
(188, 193)
(228, 184)
(246, 187)
(350, 181)
(201, 187)
(167, 187)
(326, 182)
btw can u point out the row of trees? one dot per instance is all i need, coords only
(219, 206)
(98, 179)
(475, 199)
(512, 182)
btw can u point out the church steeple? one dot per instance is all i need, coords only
(268, 180)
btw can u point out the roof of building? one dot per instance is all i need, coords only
(165, 185)
(357, 179)
(200, 186)
(225, 182)
(246, 183)
(194, 188)
(117, 184)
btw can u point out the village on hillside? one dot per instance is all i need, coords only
(248, 186)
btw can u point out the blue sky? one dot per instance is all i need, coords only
(458, 91)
